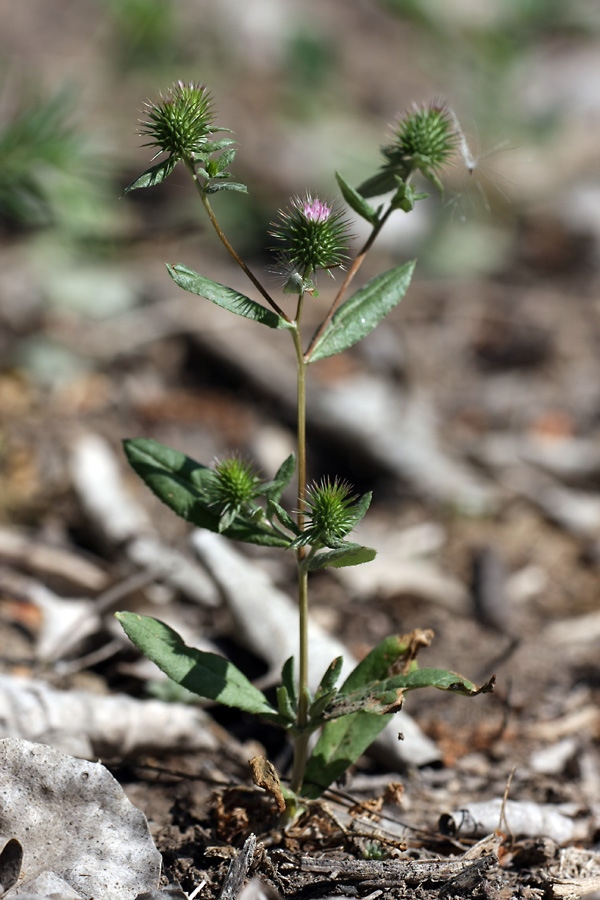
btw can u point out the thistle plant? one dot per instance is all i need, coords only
(311, 237)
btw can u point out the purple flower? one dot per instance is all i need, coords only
(315, 210)
(313, 236)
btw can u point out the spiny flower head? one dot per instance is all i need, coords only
(424, 137)
(313, 236)
(329, 511)
(234, 487)
(180, 122)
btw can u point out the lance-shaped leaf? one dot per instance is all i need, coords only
(284, 705)
(205, 674)
(213, 146)
(383, 181)
(327, 689)
(375, 699)
(154, 175)
(225, 297)
(441, 679)
(356, 202)
(288, 681)
(184, 486)
(274, 489)
(361, 312)
(330, 677)
(348, 554)
(225, 159)
(230, 186)
(275, 511)
(386, 696)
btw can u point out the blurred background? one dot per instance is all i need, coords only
(492, 358)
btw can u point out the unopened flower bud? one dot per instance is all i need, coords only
(234, 488)
(181, 123)
(425, 138)
(329, 511)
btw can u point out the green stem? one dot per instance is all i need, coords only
(213, 219)
(356, 264)
(301, 742)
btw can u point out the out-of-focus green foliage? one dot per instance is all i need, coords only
(145, 32)
(48, 174)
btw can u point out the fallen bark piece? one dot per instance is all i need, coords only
(92, 725)
(575, 630)
(459, 872)
(267, 623)
(572, 889)
(404, 565)
(238, 869)
(400, 432)
(24, 549)
(75, 824)
(578, 873)
(553, 759)
(520, 817)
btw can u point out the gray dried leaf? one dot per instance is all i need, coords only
(520, 817)
(75, 824)
(93, 725)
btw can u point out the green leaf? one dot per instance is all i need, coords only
(274, 510)
(226, 186)
(356, 202)
(184, 486)
(274, 489)
(288, 681)
(319, 706)
(386, 696)
(154, 175)
(361, 312)
(377, 664)
(205, 674)
(347, 555)
(344, 738)
(359, 509)
(381, 183)
(284, 705)
(374, 699)
(329, 679)
(225, 159)
(327, 689)
(441, 679)
(214, 146)
(340, 744)
(225, 297)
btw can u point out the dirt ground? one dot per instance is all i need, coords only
(473, 414)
